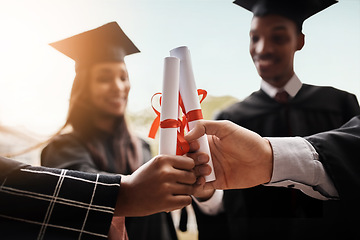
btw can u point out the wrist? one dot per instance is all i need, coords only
(267, 162)
(122, 206)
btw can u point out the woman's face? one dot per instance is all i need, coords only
(109, 87)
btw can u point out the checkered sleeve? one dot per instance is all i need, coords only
(46, 203)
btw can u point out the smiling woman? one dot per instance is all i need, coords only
(100, 140)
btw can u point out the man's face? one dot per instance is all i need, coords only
(273, 43)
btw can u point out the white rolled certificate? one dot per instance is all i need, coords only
(188, 92)
(169, 106)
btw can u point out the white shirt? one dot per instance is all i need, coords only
(311, 169)
(296, 165)
(292, 87)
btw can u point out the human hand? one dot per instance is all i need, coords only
(164, 183)
(241, 158)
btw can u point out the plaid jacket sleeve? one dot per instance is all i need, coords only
(46, 203)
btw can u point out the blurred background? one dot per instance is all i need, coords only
(35, 80)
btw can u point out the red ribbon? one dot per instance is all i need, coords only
(170, 123)
(155, 125)
(203, 93)
(194, 115)
(182, 144)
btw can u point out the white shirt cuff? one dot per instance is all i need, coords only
(297, 165)
(213, 205)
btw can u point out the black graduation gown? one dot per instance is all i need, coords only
(69, 152)
(339, 153)
(280, 212)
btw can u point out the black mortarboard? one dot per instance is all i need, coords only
(102, 44)
(296, 10)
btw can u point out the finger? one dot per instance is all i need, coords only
(199, 157)
(197, 131)
(181, 189)
(202, 170)
(200, 181)
(185, 177)
(198, 189)
(194, 146)
(203, 127)
(182, 162)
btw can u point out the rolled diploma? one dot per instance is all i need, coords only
(169, 105)
(188, 92)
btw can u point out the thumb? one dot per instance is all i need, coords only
(198, 131)
(205, 127)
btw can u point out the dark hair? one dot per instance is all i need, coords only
(80, 117)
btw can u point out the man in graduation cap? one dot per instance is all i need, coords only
(283, 107)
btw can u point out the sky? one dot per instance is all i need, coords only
(35, 80)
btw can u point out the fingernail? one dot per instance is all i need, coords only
(193, 145)
(204, 171)
(203, 158)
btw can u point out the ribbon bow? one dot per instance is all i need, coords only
(182, 144)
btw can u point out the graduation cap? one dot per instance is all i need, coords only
(295, 10)
(102, 44)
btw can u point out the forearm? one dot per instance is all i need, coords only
(33, 195)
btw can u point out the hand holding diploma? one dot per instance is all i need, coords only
(241, 158)
(179, 77)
